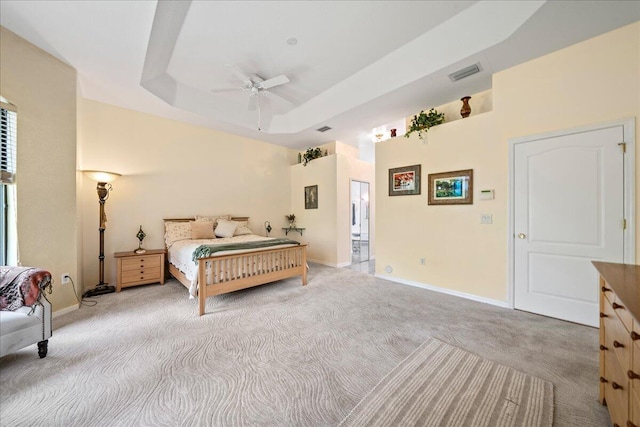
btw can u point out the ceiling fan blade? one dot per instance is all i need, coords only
(240, 74)
(253, 101)
(276, 81)
(229, 89)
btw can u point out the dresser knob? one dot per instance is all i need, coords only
(603, 347)
(617, 344)
(632, 375)
(616, 386)
(605, 289)
(617, 306)
(635, 336)
(604, 315)
(603, 380)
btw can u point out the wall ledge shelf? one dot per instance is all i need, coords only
(288, 229)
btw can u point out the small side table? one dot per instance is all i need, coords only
(139, 269)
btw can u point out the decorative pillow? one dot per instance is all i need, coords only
(243, 228)
(174, 231)
(226, 228)
(202, 230)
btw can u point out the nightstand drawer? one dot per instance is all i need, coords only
(140, 269)
(137, 275)
(137, 262)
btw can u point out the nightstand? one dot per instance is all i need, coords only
(139, 269)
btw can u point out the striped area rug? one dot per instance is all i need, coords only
(442, 385)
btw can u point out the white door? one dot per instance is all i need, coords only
(568, 211)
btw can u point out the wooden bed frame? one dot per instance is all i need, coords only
(227, 273)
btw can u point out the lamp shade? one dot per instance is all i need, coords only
(102, 176)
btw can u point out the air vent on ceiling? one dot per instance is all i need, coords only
(465, 72)
(323, 129)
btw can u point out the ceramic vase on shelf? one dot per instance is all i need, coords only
(466, 108)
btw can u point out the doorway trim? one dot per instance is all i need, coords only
(629, 136)
(351, 181)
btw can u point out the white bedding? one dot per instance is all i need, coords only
(180, 253)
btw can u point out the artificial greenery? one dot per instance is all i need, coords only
(291, 217)
(423, 121)
(310, 154)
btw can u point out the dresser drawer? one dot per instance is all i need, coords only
(616, 391)
(137, 275)
(622, 312)
(616, 337)
(134, 263)
(634, 414)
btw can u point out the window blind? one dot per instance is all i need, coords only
(8, 143)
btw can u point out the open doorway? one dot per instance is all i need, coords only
(359, 221)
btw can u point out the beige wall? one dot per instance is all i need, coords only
(328, 227)
(592, 82)
(460, 253)
(321, 223)
(44, 91)
(171, 169)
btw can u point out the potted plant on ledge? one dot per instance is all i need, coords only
(423, 121)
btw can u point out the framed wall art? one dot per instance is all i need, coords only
(451, 188)
(404, 181)
(311, 197)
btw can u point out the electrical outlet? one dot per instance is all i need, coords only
(65, 278)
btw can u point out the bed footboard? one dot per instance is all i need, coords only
(227, 273)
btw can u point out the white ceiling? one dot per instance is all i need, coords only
(357, 64)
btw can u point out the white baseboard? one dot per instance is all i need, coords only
(65, 310)
(328, 264)
(503, 304)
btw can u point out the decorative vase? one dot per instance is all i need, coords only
(393, 133)
(292, 224)
(466, 108)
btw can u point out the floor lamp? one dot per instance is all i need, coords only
(104, 186)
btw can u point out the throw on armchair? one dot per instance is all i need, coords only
(25, 312)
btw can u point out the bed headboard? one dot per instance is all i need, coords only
(165, 220)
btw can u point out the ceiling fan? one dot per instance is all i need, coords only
(257, 87)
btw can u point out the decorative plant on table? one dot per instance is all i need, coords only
(423, 121)
(292, 220)
(312, 153)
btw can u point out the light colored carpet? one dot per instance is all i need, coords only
(278, 354)
(442, 385)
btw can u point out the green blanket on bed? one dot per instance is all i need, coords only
(204, 251)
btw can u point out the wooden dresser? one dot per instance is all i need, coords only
(139, 269)
(620, 342)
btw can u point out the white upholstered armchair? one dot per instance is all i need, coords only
(25, 312)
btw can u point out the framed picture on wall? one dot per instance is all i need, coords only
(311, 197)
(404, 180)
(451, 188)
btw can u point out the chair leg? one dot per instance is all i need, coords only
(42, 348)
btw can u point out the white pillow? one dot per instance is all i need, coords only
(226, 228)
(243, 228)
(174, 231)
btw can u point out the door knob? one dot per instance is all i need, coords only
(521, 236)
